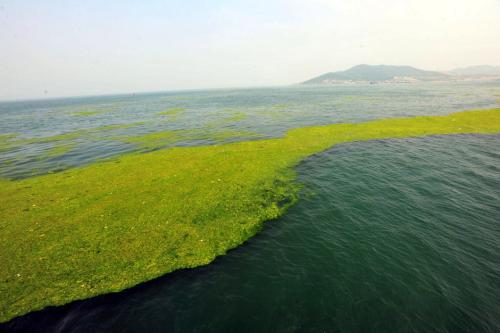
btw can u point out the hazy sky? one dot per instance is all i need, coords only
(65, 48)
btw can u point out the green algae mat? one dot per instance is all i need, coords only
(111, 225)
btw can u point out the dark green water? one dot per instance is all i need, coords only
(389, 236)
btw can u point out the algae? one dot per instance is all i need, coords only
(152, 140)
(116, 126)
(56, 151)
(172, 112)
(165, 138)
(10, 141)
(277, 111)
(6, 141)
(230, 117)
(235, 116)
(111, 225)
(7, 136)
(89, 113)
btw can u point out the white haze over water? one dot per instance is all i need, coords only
(68, 48)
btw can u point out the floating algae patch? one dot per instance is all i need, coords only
(497, 95)
(6, 141)
(44, 156)
(350, 98)
(9, 141)
(111, 225)
(280, 106)
(229, 117)
(172, 112)
(48, 139)
(55, 138)
(89, 113)
(277, 111)
(57, 150)
(169, 137)
(85, 113)
(116, 126)
(12, 143)
(235, 116)
(217, 135)
(7, 136)
(152, 140)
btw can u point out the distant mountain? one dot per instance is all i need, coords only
(482, 70)
(377, 73)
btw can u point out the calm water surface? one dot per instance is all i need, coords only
(388, 236)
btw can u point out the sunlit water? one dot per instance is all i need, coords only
(388, 236)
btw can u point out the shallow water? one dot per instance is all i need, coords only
(37, 137)
(388, 236)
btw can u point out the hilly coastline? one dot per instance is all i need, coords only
(403, 74)
(378, 73)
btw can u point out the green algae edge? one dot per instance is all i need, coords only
(172, 112)
(111, 225)
(164, 138)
